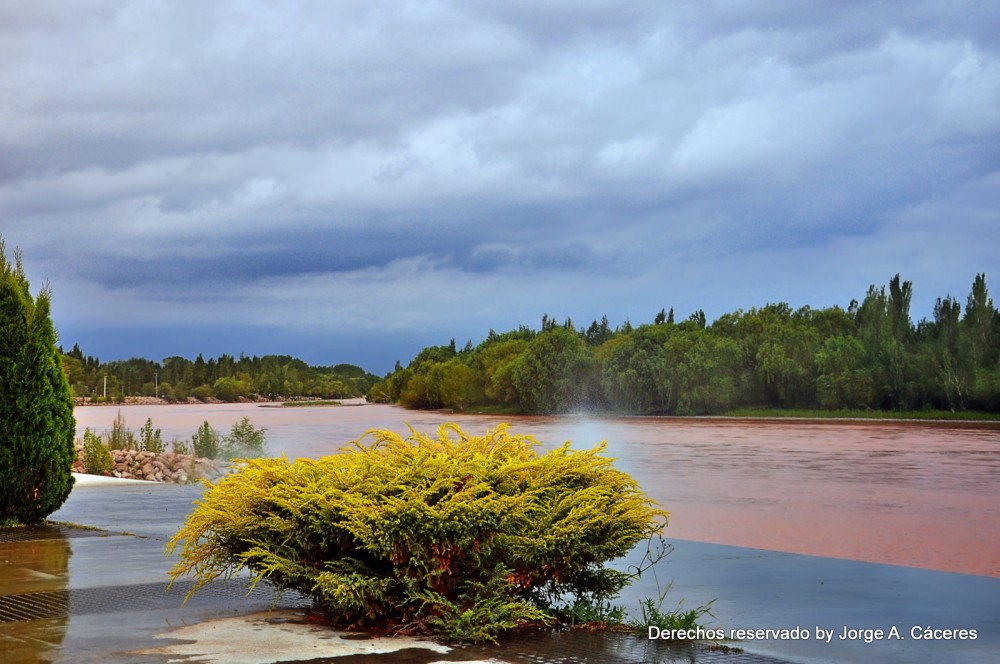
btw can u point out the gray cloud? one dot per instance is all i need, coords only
(502, 159)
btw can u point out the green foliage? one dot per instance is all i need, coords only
(150, 439)
(229, 389)
(844, 380)
(37, 447)
(121, 437)
(225, 378)
(245, 441)
(676, 619)
(96, 457)
(202, 393)
(637, 372)
(870, 356)
(588, 612)
(555, 373)
(455, 533)
(205, 442)
(703, 367)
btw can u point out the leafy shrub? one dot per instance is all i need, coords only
(245, 441)
(669, 620)
(454, 534)
(96, 457)
(150, 439)
(202, 393)
(206, 441)
(121, 437)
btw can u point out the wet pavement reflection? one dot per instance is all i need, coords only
(34, 606)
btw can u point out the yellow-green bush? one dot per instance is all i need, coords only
(463, 536)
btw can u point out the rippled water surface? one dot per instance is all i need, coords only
(916, 494)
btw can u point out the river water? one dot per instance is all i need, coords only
(916, 494)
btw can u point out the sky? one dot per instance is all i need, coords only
(352, 181)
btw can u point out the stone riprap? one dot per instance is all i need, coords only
(157, 467)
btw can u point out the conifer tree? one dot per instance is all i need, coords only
(36, 408)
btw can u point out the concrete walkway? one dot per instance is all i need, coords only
(104, 593)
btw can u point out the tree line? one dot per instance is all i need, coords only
(225, 378)
(871, 356)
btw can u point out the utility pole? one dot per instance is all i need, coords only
(105, 387)
(156, 379)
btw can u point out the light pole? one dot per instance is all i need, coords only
(105, 387)
(156, 379)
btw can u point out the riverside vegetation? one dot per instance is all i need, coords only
(456, 535)
(178, 379)
(120, 453)
(870, 357)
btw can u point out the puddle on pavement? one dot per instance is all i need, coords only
(34, 641)
(283, 636)
(34, 609)
(34, 566)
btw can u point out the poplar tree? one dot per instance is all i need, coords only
(36, 407)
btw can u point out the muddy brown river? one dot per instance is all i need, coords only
(916, 494)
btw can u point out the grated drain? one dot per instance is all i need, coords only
(144, 597)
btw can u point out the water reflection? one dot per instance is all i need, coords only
(34, 599)
(917, 494)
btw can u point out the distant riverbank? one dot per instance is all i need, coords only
(153, 401)
(893, 415)
(805, 415)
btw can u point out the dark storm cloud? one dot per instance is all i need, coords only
(355, 167)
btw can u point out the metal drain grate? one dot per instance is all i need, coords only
(33, 606)
(144, 597)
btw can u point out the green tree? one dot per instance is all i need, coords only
(150, 439)
(205, 442)
(555, 373)
(884, 328)
(494, 363)
(36, 407)
(598, 333)
(844, 381)
(979, 324)
(229, 389)
(459, 385)
(245, 441)
(701, 367)
(636, 377)
(953, 370)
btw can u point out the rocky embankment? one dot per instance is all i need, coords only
(163, 467)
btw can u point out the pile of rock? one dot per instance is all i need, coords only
(162, 467)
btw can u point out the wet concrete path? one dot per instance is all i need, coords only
(79, 595)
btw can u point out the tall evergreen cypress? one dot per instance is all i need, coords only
(36, 408)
